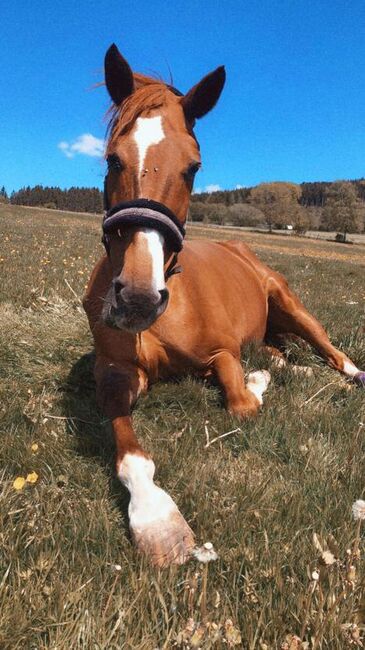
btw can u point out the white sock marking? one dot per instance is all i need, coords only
(257, 383)
(350, 369)
(148, 131)
(148, 503)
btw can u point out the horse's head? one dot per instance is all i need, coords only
(152, 157)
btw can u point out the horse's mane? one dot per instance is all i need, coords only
(150, 93)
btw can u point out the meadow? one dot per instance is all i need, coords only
(274, 497)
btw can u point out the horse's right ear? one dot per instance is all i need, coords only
(118, 75)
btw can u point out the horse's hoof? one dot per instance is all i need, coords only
(247, 410)
(359, 378)
(165, 542)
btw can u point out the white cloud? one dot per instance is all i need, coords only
(212, 188)
(238, 187)
(86, 144)
(208, 188)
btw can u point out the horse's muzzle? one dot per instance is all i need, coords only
(135, 312)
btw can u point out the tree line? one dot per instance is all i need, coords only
(338, 206)
(312, 194)
(280, 205)
(76, 199)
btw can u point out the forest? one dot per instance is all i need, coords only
(338, 205)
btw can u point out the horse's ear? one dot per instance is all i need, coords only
(118, 75)
(202, 97)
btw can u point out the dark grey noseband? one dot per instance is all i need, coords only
(147, 214)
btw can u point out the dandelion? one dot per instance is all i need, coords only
(34, 447)
(358, 509)
(32, 477)
(205, 553)
(327, 558)
(19, 483)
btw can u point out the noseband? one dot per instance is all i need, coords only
(146, 214)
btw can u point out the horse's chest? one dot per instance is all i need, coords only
(167, 358)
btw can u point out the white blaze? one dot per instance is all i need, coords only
(148, 131)
(154, 242)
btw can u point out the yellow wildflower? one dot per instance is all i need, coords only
(19, 483)
(32, 477)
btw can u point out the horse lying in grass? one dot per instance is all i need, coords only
(148, 320)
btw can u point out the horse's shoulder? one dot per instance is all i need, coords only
(99, 282)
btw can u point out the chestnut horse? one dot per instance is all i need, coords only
(151, 322)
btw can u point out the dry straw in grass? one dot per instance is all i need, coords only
(333, 593)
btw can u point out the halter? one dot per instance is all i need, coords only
(148, 214)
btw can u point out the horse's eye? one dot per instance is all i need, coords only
(192, 169)
(114, 163)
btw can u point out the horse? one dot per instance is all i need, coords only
(151, 321)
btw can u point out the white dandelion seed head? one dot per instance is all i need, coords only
(205, 553)
(358, 509)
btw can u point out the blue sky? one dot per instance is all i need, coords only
(293, 107)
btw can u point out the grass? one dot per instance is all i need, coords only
(70, 576)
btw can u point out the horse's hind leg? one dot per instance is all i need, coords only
(242, 400)
(279, 361)
(288, 315)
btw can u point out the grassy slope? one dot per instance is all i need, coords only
(259, 494)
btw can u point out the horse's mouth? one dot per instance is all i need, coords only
(133, 318)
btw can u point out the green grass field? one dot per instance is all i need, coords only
(70, 578)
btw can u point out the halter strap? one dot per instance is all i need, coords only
(173, 267)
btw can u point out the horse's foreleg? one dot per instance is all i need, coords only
(288, 315)
(242, 400)
(157, 527)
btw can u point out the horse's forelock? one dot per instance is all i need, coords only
(150, 94)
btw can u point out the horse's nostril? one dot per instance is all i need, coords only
(164, 295)
(118, 286)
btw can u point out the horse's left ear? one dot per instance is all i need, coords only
(202, 97)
